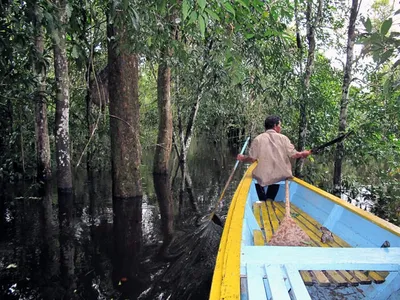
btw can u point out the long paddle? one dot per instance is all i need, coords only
(229, 180)
(320, 148)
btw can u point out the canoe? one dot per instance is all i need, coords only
(361, 262)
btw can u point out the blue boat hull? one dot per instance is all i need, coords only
(276, 272)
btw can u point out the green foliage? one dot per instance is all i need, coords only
(17, 83)
(240, 58)
(381, 40)
(148, 106)
(386, 26)
(386, 198)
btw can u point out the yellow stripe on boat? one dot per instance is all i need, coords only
(226, 279)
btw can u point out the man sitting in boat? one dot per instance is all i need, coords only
(273, 152)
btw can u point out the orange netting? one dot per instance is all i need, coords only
(289, 233)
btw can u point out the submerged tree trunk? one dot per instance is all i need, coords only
(162, 188)
(67, 245)
(311, 25)
(347, 77)
(125, 149)
(48, 255)
(41, 126)
(64, 175)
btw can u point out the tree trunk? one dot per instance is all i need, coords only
(41, 126)
(125, 149)
(164, 139)
(91, 126)
(124, 121)
(162, 188)
(311, 25)
(64, 176)
(339, 153)
(185, 136)
(165, 127)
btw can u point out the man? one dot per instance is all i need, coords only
(273, 152)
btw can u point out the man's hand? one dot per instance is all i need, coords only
(241, 157)
(306, 153)
(245, 158)
(302, 154)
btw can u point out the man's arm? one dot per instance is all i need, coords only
(292, 153)
(302, 154)
(245, 158)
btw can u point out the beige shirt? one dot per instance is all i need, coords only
(273, 151)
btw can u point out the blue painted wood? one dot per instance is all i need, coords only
(249, 223)
(253, 197)
(333, 217)
(246, 233)
(276, 282)
(352, 228)
(316, 258)
(266, 286)
(384, 291)
(313, 204)
(249, 215)
(299, 290)
(255, 282)
(364, 230)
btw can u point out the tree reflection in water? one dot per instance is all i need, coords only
(76, 251)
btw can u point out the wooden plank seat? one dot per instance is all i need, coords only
(269, 214)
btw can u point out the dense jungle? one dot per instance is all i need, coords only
(121, 121)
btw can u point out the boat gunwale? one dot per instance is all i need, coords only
(223, 286)
(364, 214)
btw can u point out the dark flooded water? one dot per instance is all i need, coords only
(38, 260)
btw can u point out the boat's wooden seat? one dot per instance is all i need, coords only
(270, 213)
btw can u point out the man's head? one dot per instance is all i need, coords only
(273, 122)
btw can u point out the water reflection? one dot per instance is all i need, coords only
(52, 245)
(67, 246)
(128, 272)
(162, 187)
(2, 212)
(49, 255)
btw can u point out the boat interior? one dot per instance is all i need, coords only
(269, 214)
(355, 261)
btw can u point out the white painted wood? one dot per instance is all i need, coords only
(299, 290)
(316, 258)
(255, 282)
(276, 282)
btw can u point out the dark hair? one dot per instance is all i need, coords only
(271, 121)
